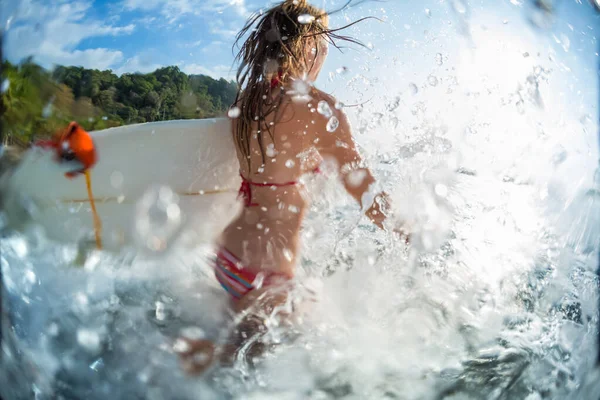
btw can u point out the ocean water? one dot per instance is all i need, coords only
(486, 136)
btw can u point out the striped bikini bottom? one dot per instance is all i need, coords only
(237, 279)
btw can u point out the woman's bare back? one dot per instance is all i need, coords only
(265, 236)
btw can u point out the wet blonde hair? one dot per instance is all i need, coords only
(275, 48)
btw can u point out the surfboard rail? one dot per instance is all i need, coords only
(195, 159)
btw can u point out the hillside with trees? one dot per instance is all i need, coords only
(35, 102)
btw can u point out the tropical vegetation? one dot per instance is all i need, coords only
(36, 102)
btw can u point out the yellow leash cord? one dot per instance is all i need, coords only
(97, 222)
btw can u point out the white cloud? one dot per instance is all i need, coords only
(137, 63)
(51, 32)
(90, 58)
(172, 10)
(218, 71)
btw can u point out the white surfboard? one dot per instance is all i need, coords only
(194, 158)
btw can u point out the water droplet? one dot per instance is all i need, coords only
(181, 346)
(234, 112)
(459, 6)
(160, 312)
(441, 190)
(193, 333)
(324, 109)
(559, 156)
(341, 70)
(306, 19)
(526, 54)
(116, 179)
(47, 110)
(413, 88)
(288, 255)
(356, 178)
(290, 163)
(271, 152)
(432, 80)
(19, 246)
(259, 280)
(96, 365)
(5, 85)
(293, 209)
(439, 59)
(428, 12)
(88, 339)
(52, 329)
(339, 105)
(29, 280)
(158, 218)
(332, 124)
(566, 43)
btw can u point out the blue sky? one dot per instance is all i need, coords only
(196, 35)
(128, 35)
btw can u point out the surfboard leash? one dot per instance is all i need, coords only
(97, 221)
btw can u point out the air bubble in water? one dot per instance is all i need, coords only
(333, 124)
(234, 112)
(158, 218)
(428, 12)
(306, 19)
(52, 329)
(290, 163)
(339, 105)
(324, 109)
(193, 333)
(439, 59)
(341, 70)
(5, 85)
(181, 346)
(88, 339)
(432, 80)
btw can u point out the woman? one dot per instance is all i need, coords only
(282, 128)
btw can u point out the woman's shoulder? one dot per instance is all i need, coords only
(319, 95)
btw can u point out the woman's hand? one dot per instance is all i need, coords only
(403, 233)
(196, 355)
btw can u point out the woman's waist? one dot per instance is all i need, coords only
(258, 252)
